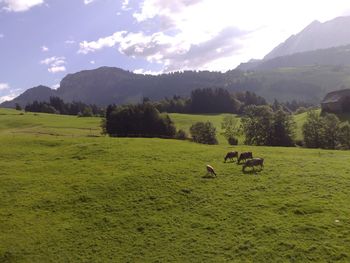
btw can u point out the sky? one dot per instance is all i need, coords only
(41, 41)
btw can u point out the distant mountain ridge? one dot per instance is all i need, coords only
(315, 36)
(336, 56)
(108, 85)
(295, 51)
(39, 93)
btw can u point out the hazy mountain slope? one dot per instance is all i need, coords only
(101, 86)
(336, 56)
(315, 36)
(104, 86)
(40, 93)
(107, 85)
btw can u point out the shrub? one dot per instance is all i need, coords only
(231, 128)
(181, 135)
(87, 112)
(18, 107)
(203, 132)
(299, 143)
(300, 110)
(232, 141)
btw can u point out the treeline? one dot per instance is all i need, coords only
(56, 105)
(220, 100)
(209, 100)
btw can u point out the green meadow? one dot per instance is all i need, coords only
(69, 194)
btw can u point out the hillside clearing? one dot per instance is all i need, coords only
(100, 199)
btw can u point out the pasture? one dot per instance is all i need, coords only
(69, 196)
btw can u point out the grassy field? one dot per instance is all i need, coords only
(82, 198)
(184, 121)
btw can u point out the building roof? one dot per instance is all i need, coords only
(335, 96)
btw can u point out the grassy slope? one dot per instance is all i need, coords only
(14, 122)
(299, 120)
(105, 199)
(184, 121)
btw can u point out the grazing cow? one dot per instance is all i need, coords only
(231, 155)
(253, 162)
(244, 156)
(210, 169)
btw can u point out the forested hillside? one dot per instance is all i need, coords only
(107, 85)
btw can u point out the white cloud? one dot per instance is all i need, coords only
(69, 42)
(125, 5)
(86, 2)
(10, 94)
(55, 86)
(214, 35)
(4, 86)
(111, 41)
(44, 49)
(92, 62)
(20, 5)
(7, 98)
(56, 64)
(147, 72)
(56, 69)
(2, 35)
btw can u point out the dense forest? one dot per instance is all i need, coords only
(208, 100)
(57, 106)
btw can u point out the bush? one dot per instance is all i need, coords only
(18, 107)
(301, 110)
(231, 129)
(203, 132)
(181, 135)
(87, 112)
(232, 141)
(299, 143)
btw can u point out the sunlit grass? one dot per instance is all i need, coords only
(99, 199)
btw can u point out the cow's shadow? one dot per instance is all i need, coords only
(208, 176)
(252, 171)
(231, 161)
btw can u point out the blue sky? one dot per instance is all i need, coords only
(43, 40)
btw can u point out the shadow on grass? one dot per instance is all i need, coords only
(253, 171)
(228, 162)
(209, 176)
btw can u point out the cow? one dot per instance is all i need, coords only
(210, 169)
(231, 155)
(244, 156)
(253, 162)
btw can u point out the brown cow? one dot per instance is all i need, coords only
(253, 162)
(231, 155)
(244, 156)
